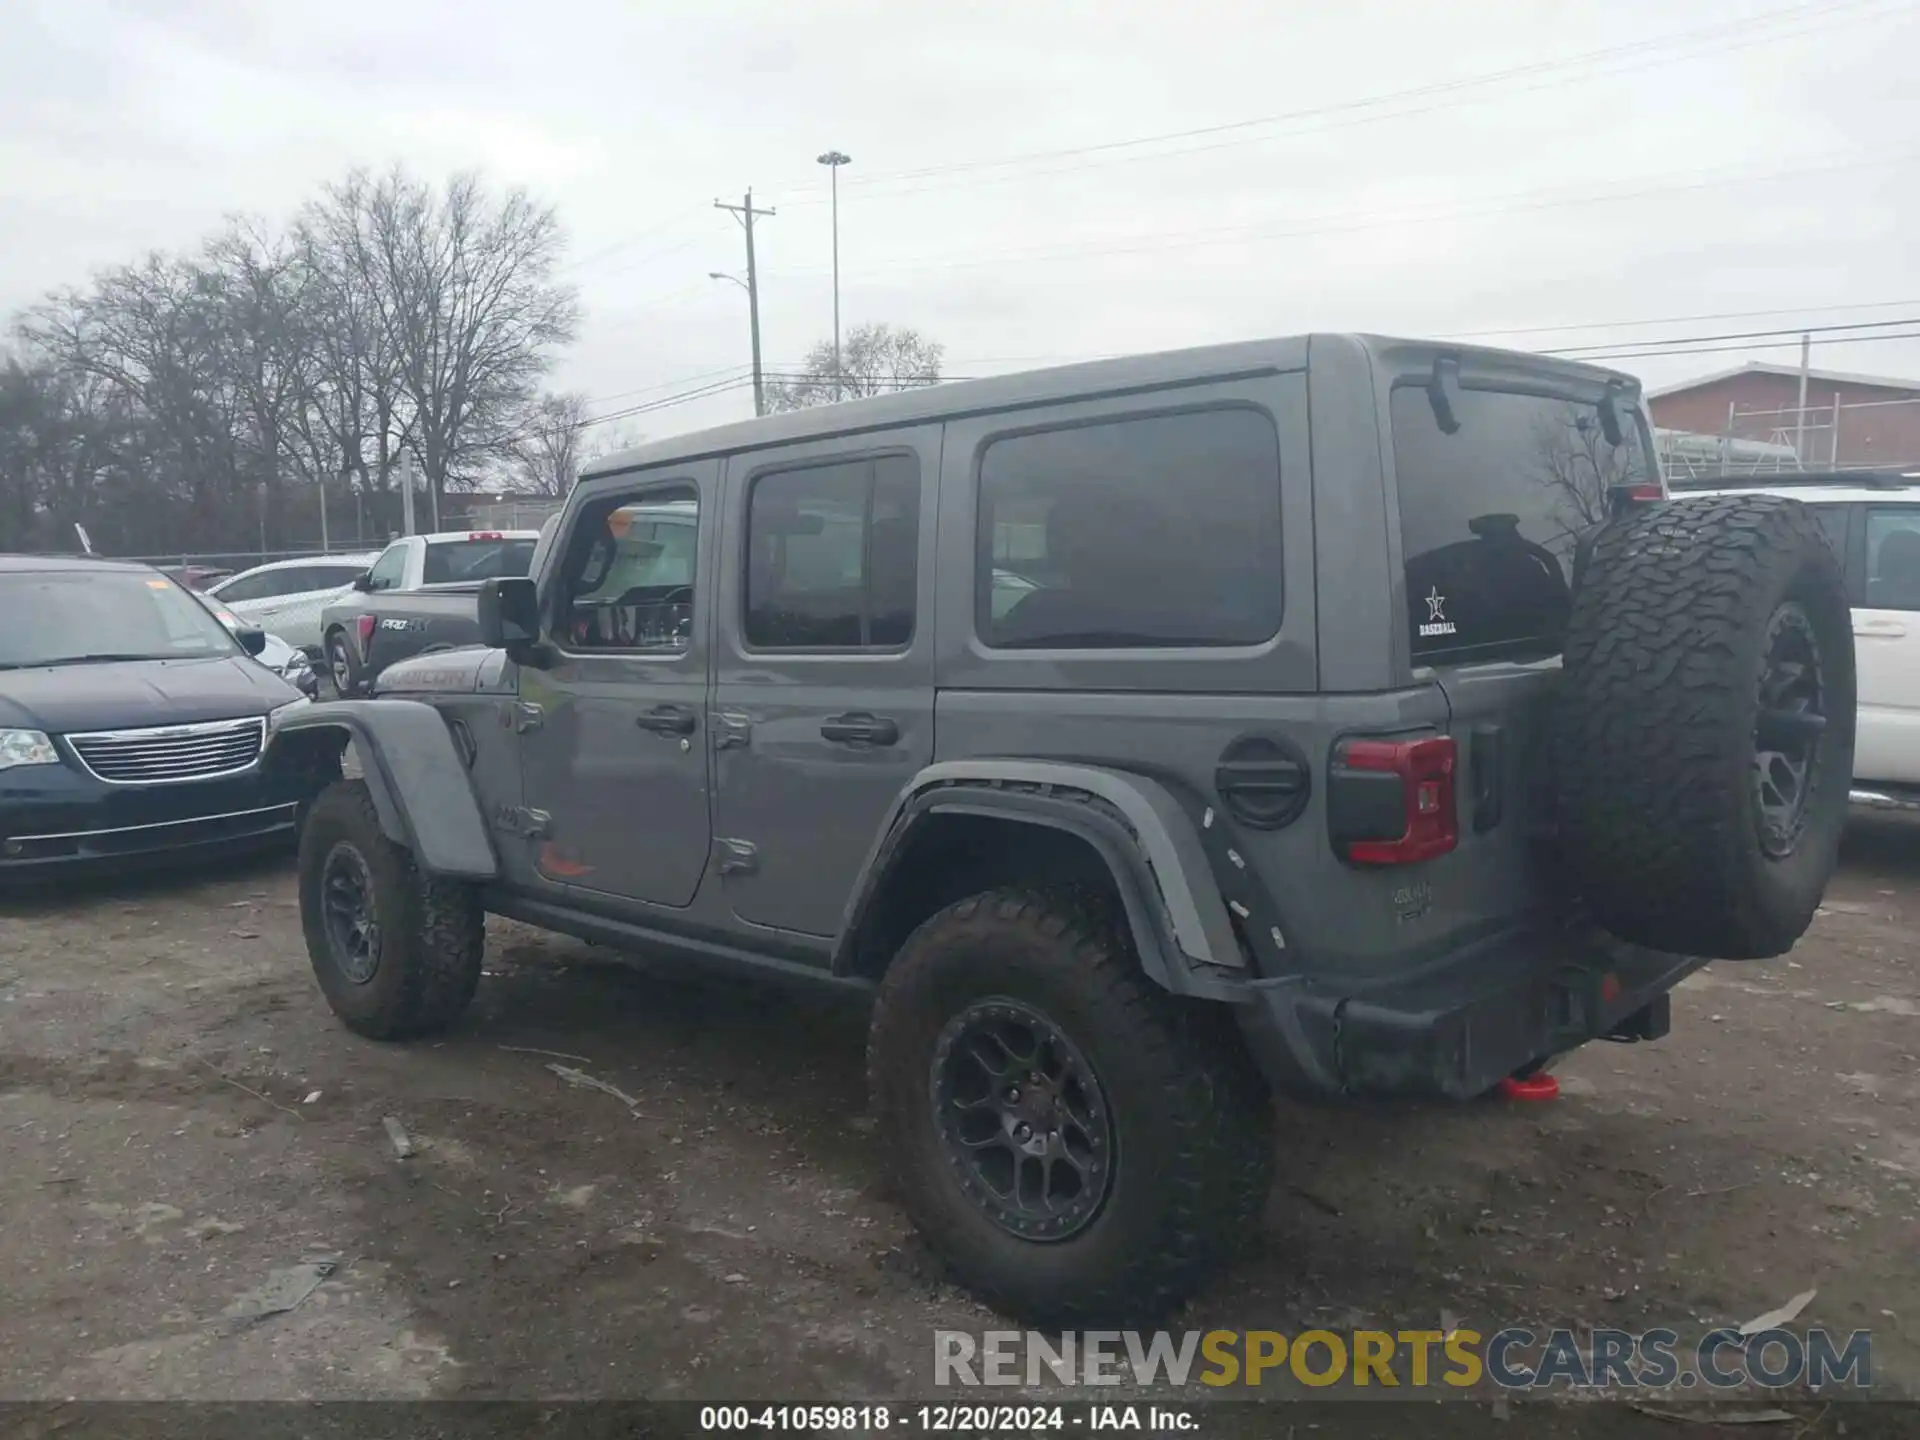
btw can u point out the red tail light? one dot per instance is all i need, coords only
(1376, 821)
(364, 624)
(486, 535)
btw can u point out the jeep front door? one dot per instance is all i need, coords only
(614, 721)
(823, 693)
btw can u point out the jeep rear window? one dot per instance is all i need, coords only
(1490, 514)
(1147, 531)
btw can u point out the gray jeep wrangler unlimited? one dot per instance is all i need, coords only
(1343, 715)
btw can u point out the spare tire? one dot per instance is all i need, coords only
(1704, 735)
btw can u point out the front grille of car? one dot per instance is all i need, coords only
(171, 752)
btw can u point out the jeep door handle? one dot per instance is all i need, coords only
(860, 728)
(668, 720)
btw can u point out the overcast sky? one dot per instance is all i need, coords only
(1485, 169)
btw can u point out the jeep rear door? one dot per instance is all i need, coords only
(823, 672)
(1498, 467)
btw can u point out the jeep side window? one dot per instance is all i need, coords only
(390, 569)
(833, 555)
(1157, 530)
(629, 573)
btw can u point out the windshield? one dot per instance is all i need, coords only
(450, 561)
(70, 617)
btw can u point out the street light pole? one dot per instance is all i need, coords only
(833, 160)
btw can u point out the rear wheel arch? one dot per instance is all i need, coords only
(947, 842)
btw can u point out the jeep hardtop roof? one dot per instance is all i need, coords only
(1069, 382)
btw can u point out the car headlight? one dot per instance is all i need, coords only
(26, 747)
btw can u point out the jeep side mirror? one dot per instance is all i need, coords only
(509, 616)
(363, 582)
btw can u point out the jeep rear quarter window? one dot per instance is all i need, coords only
(1152, 531)
(1490, 514)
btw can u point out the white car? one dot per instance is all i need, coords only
(1873, 520)
(286, 597)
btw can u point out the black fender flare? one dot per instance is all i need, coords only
(415, 776)
(1179, 922)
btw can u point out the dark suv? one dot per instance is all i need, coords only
(1346, 715)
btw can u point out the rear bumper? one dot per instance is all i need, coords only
(1454, 1028)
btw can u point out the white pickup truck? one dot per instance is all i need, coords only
(1873, 520)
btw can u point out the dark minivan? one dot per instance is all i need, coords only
(132, 723)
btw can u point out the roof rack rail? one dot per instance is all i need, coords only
(1792, 479)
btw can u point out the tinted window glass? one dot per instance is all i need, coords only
(1893, 558)
(451, 562)
(330, 577)
(1833, 519)
(249, 587)
(296, 581)
(833, 555)
(389, 570)
(1490, 514)
(631, 564)
(69, 616)
(1157, 531)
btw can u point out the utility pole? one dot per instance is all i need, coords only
(1800, 415)
(745, 214)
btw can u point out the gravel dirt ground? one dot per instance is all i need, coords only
(629, 1182)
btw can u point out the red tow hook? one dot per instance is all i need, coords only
(1537, 1086)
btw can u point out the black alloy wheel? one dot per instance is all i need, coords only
(353, 934)
(1023, 1120)
(1789, 729)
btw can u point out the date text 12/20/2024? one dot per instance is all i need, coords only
(949, 1419)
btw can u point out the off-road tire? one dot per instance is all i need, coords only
(1191, 1117)
(432, 930)
(1655, 736)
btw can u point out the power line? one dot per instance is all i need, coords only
(1790, 330)
(1749, 345)
(672, 222)
(1684, 319)
(1151, 243)
(1667, 49)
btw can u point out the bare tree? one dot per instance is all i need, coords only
(256, 284)
(468, 297)
(355, 419)
(206, 401)
(875, 359)
(550, 448)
